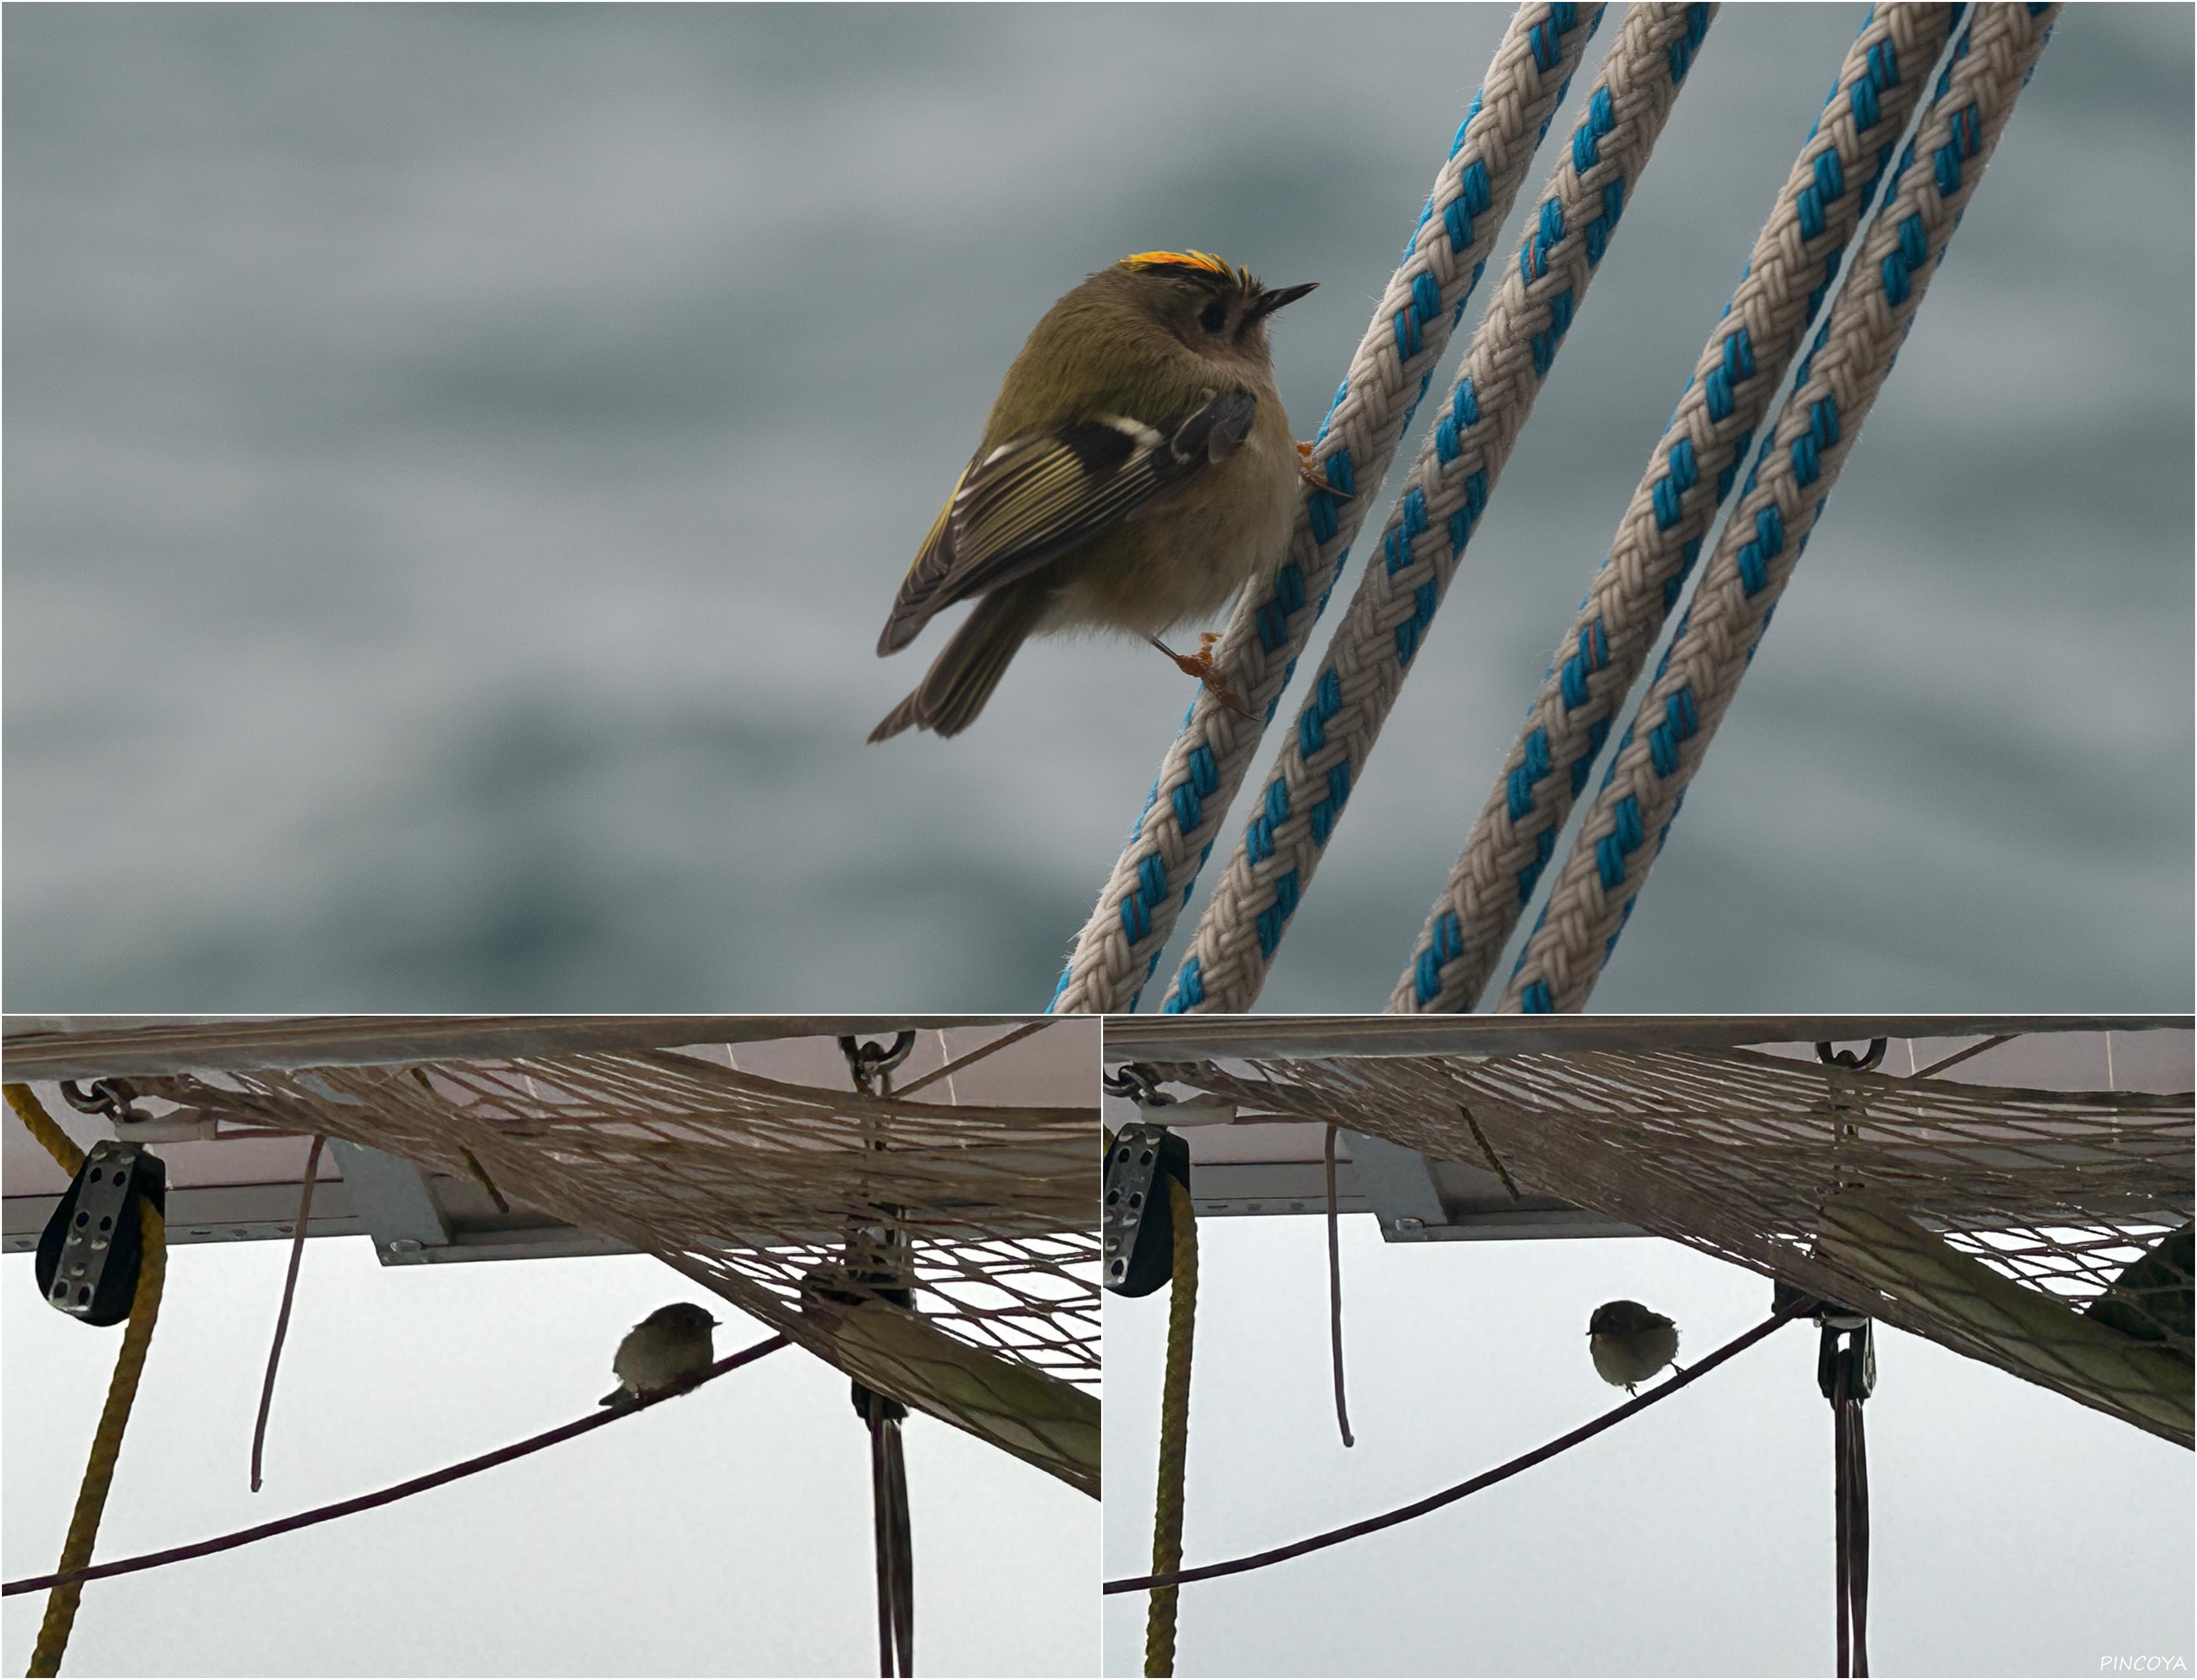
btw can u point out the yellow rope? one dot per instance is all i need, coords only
(121, 1392)
(1174, 1433)
(56, 1143)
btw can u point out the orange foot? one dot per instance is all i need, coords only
(1313, 476)
(1200, 665)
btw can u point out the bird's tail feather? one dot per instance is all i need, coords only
(966, 671)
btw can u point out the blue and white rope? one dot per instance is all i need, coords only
(1472, 196)
(1784, 495)
(1690, 473)
(1510, 355)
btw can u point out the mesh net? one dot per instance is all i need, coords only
(944, 1254)
(2046, 1232)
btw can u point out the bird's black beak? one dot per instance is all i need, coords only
(1280, 298)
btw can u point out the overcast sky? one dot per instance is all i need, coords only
(2015, 1531)
(724, 1533)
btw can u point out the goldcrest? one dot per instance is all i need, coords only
(1137, 469)
(671, 1345)
(1630, 1344)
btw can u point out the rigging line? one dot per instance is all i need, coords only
(976, 1055)
(83, 1534)
(282, 1317)
(1975, 1049)
(366, 1502)
(1335, 1295)
(1237, 1566)
(1488, 1149)
(1174, 1435)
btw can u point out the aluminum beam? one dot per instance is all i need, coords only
(1184, 1038)
(91, 1048)
(1474, 1206)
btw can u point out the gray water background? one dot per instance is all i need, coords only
(458, 459)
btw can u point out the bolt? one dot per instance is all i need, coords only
(406, 1247)
(1408, 1226)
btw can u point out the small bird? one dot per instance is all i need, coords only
(1136, 470)
(1630, 1344)
(668, 1346)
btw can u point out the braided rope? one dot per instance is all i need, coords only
(67, 1153)
(1795, 261)
(1120, 944)
(1175, 1431)
(121, 1391)
(1510, 355)
(1784, 494)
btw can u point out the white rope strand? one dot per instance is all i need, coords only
(1472, 196)
(1795, 262)
(1510, 355)
(1755, 554)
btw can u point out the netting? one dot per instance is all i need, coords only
(944, 1254)
(2046, 1232)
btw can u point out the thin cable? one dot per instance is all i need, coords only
(1975, 1049)
(903, 1549)
(976, 1055)
(1488, 1149)
(1841, 1544)
(282, 1318)
(1168, 1579)
(1858, 1536)
(881, 1537)
(1335, 1296)
(1850, 1495)
(1174, 1435)
(895, 1568)
(402, 1490)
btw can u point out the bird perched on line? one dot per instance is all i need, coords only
(1136, 470)
(1630, 1344)
(670, 1346)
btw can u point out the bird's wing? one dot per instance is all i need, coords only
(1049, 489)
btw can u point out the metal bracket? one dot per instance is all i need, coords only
(1188, 1111)
(1847, 1373)
(1398, 1186)
(389, 1195)
(1136, 1222)
(93, 1247)
(1842, 1372)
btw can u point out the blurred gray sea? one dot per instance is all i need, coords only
(458, 461)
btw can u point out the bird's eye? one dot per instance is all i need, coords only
(1215, 317)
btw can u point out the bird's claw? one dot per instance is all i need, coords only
(1200, 665)
(1314, 476)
